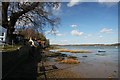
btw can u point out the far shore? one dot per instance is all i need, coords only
(115, 44)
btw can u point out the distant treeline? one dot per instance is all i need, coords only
(116, 44)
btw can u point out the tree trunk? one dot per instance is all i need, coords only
(9, 25)
(9, 36)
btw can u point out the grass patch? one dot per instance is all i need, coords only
(7, 48)
(73, 51)
(70, 61)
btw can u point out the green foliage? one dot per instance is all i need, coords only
(7, 48)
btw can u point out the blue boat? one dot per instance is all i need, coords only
(101, 51)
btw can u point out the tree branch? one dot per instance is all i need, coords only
(16, 15)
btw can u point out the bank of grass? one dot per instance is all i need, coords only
(70, 61)
(63, 58)
(7, 48)
(73, 51)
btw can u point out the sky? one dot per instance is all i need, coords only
(86, 23)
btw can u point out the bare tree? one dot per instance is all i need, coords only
(27, 33)
(30, 33)
(36, 15)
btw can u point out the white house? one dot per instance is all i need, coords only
(3, 32)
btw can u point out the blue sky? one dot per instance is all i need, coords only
(86, 23)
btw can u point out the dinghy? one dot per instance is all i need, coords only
(101, 51)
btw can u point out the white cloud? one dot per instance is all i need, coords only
(108, 0)
(54, 32)
(76, 33)
(51, 32)
(58, 34)
(108, 3)
(73, 3)
(74, 25)
(105, 30)
(105, 2)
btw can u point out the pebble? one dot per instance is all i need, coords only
(115, 71)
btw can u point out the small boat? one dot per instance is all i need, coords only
(101, 51)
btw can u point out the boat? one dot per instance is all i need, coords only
(101, 51)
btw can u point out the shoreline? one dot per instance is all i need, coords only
(86, 68)
(114, 44)
(62, 70)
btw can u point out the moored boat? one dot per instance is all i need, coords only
(101, 51)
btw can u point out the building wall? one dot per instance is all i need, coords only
(3, 37)
(2, 34)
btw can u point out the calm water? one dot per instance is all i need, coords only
(111, 53)
(106, 63)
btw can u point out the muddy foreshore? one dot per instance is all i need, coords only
(89, 69)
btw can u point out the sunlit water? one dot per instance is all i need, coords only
(110, 55)
(96, 64)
